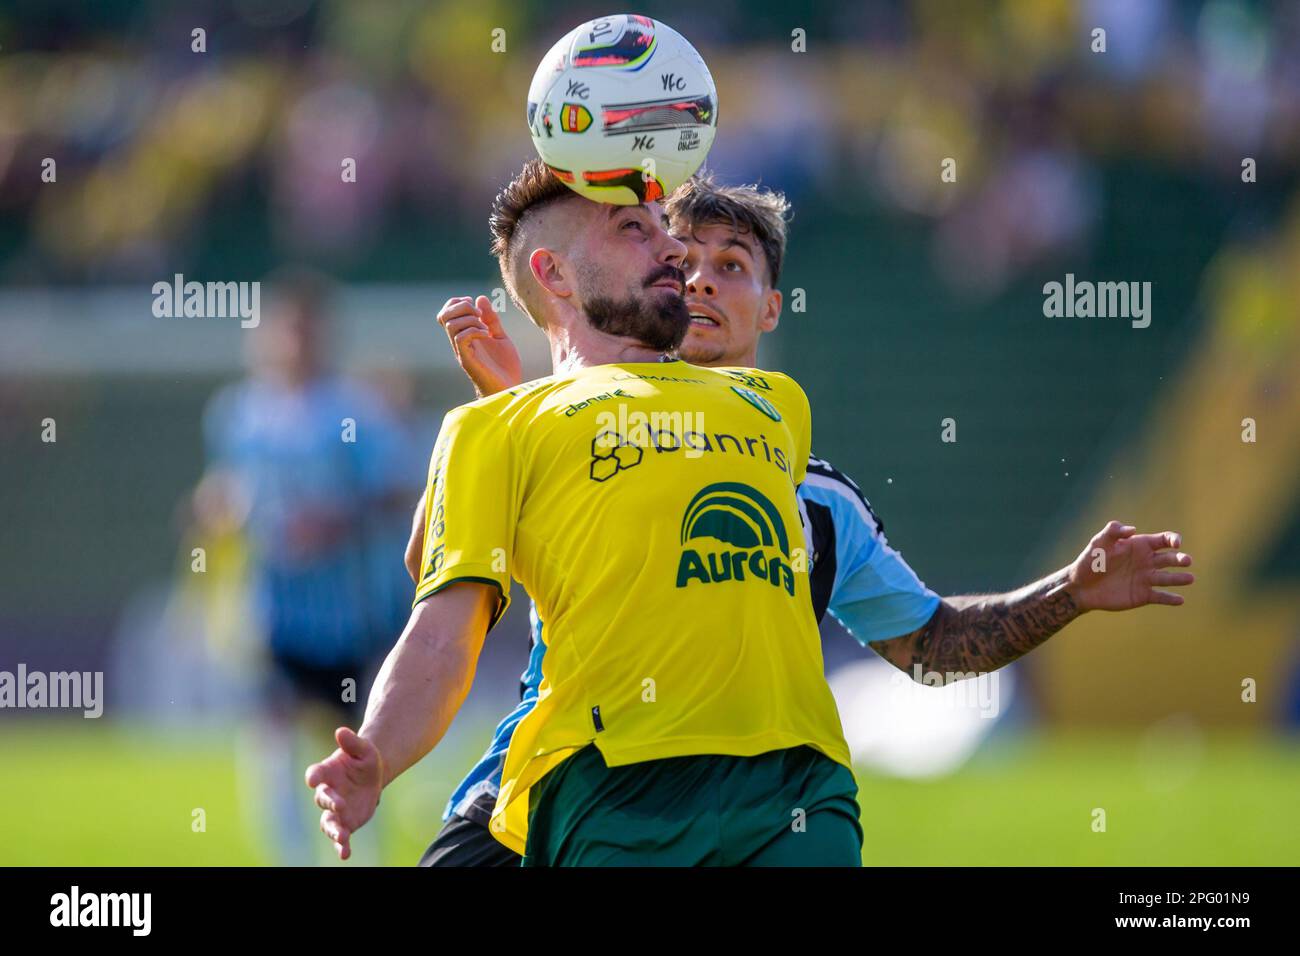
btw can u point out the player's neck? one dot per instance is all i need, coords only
(572, 351)
(747, 360)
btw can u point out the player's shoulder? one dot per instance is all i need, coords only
(506, 404)
(776, 387)
(825, 483)
(758, 378)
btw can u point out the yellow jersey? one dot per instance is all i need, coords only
(649, 509)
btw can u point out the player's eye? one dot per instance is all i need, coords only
(734, 265)
(634, 222)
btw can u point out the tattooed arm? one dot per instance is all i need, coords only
(1117, 570)
(980, 633)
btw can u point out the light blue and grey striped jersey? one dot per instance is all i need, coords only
(339, 600)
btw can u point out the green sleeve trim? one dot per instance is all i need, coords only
(503, 594)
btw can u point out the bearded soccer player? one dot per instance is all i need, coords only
(735, 238)
(583, 804)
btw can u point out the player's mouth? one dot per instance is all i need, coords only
(668, 277)
(703, 317)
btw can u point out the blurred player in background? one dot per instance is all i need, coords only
(736, 238)
(316, 470)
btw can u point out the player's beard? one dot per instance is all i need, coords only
(656, 318)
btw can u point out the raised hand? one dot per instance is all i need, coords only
(482, 348)
(1135, 568)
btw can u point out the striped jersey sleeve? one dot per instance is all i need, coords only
(863, 582)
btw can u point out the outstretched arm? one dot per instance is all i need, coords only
(972, 634)
(421, 686)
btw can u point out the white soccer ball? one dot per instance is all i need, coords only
(623, 109)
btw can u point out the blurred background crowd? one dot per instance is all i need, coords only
(1164, 149)
(226, 161)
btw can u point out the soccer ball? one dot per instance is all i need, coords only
(623, 109)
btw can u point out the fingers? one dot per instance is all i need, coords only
(460, 323)
(327, 798)
(490, 317)
(456, 307)
(317, 774)
(1171, 578)
(1171, 559)
(1160, 541)
(331, 771)
(351, 744)
(462, 339)
(1166, 597)
(1115, 530)
(462, 332)
(321, 777)
(463, 313)
(339, 835)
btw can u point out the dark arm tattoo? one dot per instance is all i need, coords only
(974, 634)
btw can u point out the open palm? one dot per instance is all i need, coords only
(347, 785)
(1120, 569)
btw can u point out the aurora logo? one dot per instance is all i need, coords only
(737, 515)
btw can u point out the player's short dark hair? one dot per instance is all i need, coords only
(532, 188)
(763, 213)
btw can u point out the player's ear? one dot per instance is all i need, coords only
(770, 317)
(550, 272)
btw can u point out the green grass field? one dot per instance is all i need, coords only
(119, 796)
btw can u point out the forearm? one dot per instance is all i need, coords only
(975, 634)
(422, 684)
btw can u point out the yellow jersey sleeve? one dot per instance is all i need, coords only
(470, 505)
(802, 432)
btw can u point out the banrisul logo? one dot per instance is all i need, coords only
(732, 532)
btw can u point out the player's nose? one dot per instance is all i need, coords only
(672, 251)
(698, 284)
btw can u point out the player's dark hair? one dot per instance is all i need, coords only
(763, 213)
(533, 187)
